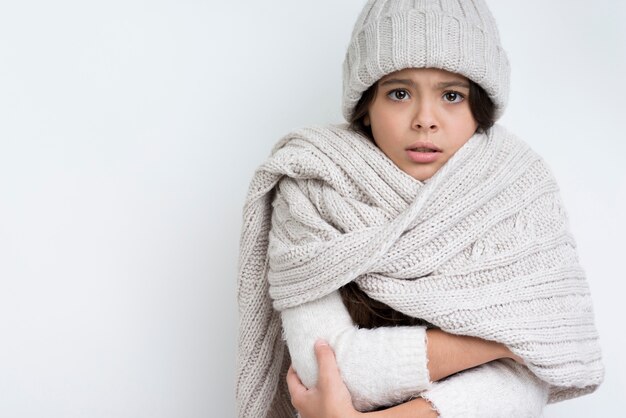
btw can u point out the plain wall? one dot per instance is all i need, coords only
(129, 131)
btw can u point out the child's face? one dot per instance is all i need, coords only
(421, 104)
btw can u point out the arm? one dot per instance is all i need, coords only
(330, 397)
(497, 389)
(381, 366)
(493, 390)
(450, 353)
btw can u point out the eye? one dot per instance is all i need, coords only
(398, 95)
(453, 97)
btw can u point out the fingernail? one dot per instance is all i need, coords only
(320, 343)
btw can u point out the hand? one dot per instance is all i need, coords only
(330, 398)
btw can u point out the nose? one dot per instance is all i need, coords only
(425, 118)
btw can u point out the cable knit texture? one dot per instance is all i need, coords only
(482, 249)
(459, 36)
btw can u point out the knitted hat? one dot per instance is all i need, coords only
(459, 36)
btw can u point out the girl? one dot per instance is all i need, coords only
(426, 244)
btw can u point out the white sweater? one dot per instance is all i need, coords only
(386, 366)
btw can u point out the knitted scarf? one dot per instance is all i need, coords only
(482, 248)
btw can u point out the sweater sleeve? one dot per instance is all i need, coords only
(382, 366)
(501, 388)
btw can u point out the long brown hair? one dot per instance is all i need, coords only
(370, 313)
(365, 311)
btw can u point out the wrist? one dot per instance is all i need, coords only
(510, 355)
(415, 408)
(500, 351)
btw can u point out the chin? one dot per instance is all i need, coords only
(423, 174)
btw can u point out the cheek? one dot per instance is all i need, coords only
(386, 124)
(388, 117)
(465, 123)
(471, 125)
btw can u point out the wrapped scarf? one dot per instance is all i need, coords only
(482, 248)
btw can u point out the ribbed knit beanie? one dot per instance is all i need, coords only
(459, 36)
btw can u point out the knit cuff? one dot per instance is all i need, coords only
(396, 369)
(492, 390)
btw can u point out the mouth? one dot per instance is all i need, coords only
(423, 149)
(423, 154)
(423, 146)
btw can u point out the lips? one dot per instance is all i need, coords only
(422, 152)
(423, 146)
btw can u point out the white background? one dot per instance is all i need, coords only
(129, 131)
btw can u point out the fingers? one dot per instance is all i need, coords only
(296, 388)
(329, 397)
(326, 363)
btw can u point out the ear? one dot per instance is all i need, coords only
(366, 120)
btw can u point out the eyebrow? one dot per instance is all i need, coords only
(442, 85)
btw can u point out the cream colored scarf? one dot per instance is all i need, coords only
(482, 248)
